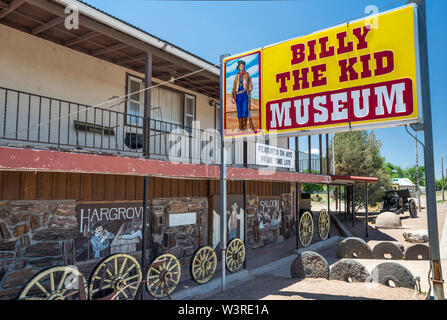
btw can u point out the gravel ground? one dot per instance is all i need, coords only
(273, 286)
(270, 287)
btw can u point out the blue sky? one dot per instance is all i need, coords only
(251, 66)
(211, 28)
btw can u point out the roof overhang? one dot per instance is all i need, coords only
(24, 159)
(108, 38)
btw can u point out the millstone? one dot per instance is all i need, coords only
(388, 272)
(354, 248)
(383, 248)
(388, 219)
(309, 264)
(413, 252)
(348, 270)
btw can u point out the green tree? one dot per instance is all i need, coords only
(312, 188)
(357, 153)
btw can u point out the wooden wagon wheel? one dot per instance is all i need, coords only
(115, 272)
(163, 276)
(203, 264)
(55, 283)
(306, 229)
(235, 255)
(324, 224)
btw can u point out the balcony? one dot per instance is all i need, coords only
(33, 121)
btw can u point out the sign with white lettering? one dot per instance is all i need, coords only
(274, 157)
(359, 75)
(108, 228)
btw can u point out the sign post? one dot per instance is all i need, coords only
(438, 283)
(223, 183)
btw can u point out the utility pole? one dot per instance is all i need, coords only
(418, 183)
(442, 179)
(333, 154)
(432, 222)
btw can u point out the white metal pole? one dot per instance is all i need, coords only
(223, 177)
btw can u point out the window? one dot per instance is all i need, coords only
(170, 109)
(135, 101)
(190, 112)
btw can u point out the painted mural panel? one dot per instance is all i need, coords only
(235, 218)
(269, 212)
(108, 228)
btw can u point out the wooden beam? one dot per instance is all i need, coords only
(147, 106)
(48, 25)
(14, 5)
(4, 5)
(84, 37)
(122, 37)
(140, 57)
(115, 47)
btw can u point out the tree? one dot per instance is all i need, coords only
(395, 171)
(357, 153)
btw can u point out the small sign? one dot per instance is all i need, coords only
(182, 219)
(274, 157)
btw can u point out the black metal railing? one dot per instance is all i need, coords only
(37, 121)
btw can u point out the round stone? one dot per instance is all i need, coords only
(388, 220)
(417, 252)
(393, 275)
(416, 236)
(387, 250)
(354, 248)
(348, 270)
(309, 264)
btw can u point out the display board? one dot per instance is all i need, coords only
(358, 75)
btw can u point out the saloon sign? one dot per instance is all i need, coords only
(356, 75)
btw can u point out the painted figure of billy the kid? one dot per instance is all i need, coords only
(242, 88)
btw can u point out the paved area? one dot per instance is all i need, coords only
(262, 281)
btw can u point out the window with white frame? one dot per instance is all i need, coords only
(135, 101)
(190, 112)
(170, 109)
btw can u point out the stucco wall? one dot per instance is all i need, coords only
(34, 65)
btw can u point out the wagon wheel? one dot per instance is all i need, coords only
(324, 224)
(163, 276)
(203, 264)
(412, 208)
(115, 272)
(235, 255)
(56, 283)
(306, 228)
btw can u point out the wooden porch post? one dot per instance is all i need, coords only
(309, 159)
(147, 234)
(147, 107)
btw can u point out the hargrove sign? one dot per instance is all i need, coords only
(353, 76)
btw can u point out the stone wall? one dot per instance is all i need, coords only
(34, 235)
(38, 234)
(259, 237)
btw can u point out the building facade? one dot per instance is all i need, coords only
(79, 129)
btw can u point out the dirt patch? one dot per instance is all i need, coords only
(276, 288)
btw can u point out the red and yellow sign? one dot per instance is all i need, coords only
(354, 76)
